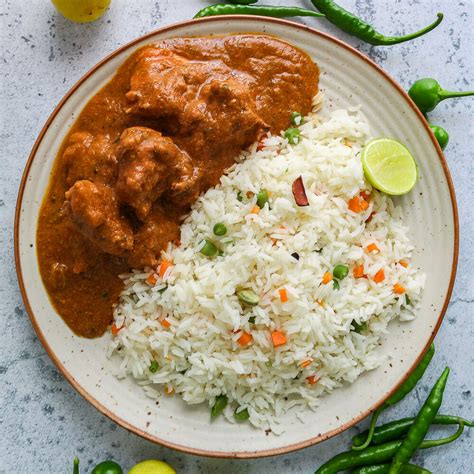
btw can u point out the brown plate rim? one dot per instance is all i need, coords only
(109, 413)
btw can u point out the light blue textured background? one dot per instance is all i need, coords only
(44, 423)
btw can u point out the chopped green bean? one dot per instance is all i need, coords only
(252, 319)
(241, 415)
(262, 198)
(209, 249)
(407, 300)
(249, 297)
(296, 118)
(240, 198)
(340, 271)
(219, 229)
(153, 366)
(219, 405)
(358, 328)
(335, 285)
(292, 135)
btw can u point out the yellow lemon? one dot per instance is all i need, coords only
(152, 466)
(81, 11)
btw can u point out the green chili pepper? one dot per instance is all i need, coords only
(75, 468)
(427, 94)
(340, 271)
(209, 249)
(107, 467)
(354, 26)
(296, 118)
(264, 10)
(385, 468)
(378, 454)
(441, 135)
(219, 405)
(421, 425)
(153, 366)
(248, 296)
(262, 198)
(242, 2)
(292, 135)
(399, 395)
(241, 415)
(219, 229)
(398, 428)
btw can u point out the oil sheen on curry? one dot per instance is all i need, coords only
(161, 132)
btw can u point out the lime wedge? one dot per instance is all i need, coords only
(389, 166)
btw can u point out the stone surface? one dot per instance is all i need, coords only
(44, 422)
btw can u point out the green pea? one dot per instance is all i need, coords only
(292, 135)
(241, 415)
(296, 118)
(340, 271)
(219, 405)
(209, 249)
(262, 198)
(153, 366)
(358, 328)
(248, 296)
(219, 229)
(335, 285)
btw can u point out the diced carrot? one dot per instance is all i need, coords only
(312, 379)
(244, 339)
(169, 390)
(403, 263)
(283, 295)
(365, 195)
(306, 362)
(327, 277)
(278, 338)
(249, 194)
(398, 289)
(364, 205)
(165, 323)
(354, 204)
(151, 280)
(372, 248)
(115, 330)
(255, 210)
(379, 276)
(358, 271)
(163, 267)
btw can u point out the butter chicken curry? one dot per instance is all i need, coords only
(162, 131)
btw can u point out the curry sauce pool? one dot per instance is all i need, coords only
(307, 325)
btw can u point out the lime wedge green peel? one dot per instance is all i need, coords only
(389, 166)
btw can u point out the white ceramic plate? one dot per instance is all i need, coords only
(347, 78)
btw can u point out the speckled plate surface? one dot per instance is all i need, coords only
(347, 78)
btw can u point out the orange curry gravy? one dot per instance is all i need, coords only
(162, 131)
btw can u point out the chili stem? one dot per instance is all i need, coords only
(389, 40)
(370, 434)
(449, 94)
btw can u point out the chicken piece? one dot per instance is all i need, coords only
(94, 209)
(205, 99)
(151, 166)
(90, 157)
(153, 236)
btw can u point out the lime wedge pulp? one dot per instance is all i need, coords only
(389, 166)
